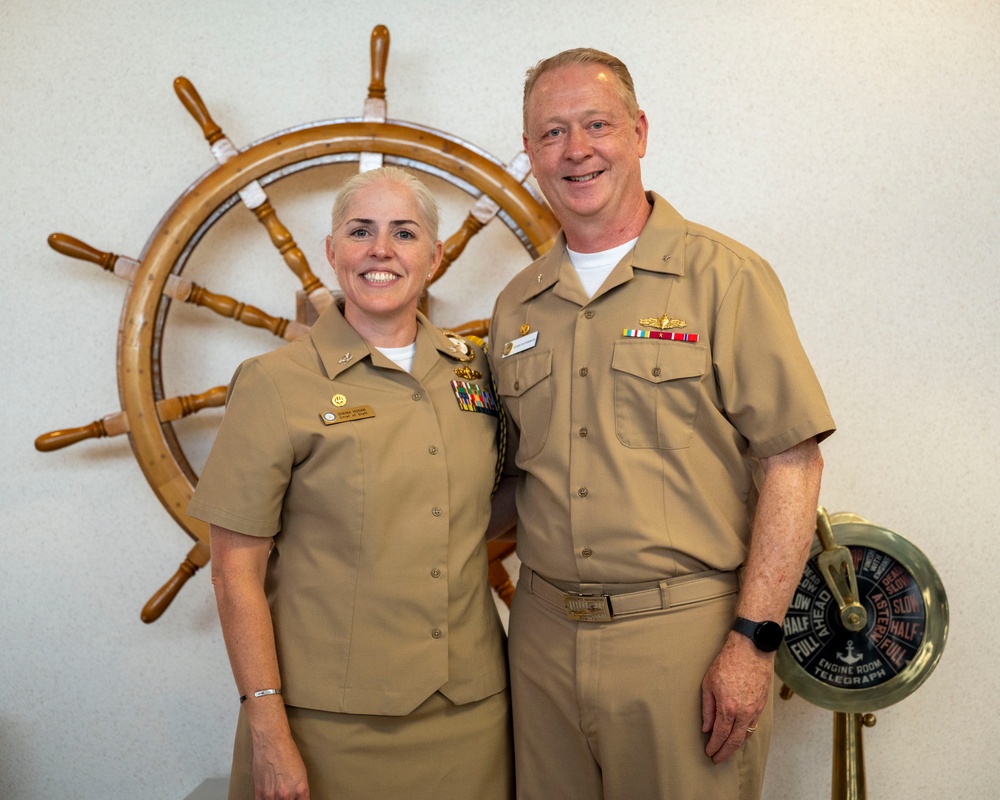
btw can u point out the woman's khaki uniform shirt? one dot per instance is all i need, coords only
(375, 484)
(638, 453)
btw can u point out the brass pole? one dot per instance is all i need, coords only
(849, 755)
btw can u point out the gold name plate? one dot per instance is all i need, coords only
(346, 415)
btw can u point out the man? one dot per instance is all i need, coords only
(663, 427)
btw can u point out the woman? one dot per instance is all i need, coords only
(348, 492)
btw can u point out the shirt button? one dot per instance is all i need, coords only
(435, 573)
(436, 511)
(583, 372)
(583, 431)
(583, 492)
(586, 552)
(432, 450)
(416, 395)
(517, 386)
(589, 314)
(436, 633)
(656, 371)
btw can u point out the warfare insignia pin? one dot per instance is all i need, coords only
(663, 323)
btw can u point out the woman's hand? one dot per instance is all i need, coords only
(278, 770)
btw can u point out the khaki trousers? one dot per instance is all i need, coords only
(612, 710)
(440, 751)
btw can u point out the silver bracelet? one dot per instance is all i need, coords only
(261, 693)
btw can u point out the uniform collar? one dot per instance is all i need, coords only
(340, 347)
(661, 244)
(660, 249)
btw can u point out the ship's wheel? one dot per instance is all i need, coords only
(240, 178)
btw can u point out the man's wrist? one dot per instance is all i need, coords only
(766, 635)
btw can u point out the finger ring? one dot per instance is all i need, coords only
(752, 728)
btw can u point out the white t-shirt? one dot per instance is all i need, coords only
(593, 268)
(402, 356)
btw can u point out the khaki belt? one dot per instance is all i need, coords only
(591, 602)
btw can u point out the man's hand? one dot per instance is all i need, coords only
(733, 695)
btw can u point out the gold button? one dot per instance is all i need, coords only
(583, 492)
(436, 511)
(432, 450)
(435, 573)
(436, 633)
(586, 552)
(583, 372)
(416, 395)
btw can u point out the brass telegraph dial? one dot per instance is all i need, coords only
(868, 621)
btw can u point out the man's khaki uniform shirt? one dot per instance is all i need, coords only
(638, 454)
(377, 581)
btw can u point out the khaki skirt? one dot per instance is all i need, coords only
(440, 751)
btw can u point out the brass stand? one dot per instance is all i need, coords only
(849, 755)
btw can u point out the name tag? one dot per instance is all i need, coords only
(346, 415)
(520, 344)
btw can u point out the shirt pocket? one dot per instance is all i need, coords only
(657, 392)
(524, 382)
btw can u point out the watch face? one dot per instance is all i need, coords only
(768, 636)
(878, 652)
(899, 643)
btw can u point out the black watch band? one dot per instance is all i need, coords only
(766, 636)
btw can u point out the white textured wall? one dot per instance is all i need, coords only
(853, 144)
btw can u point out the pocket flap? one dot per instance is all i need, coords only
(658, 361)
(522, 372)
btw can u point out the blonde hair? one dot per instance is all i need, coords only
(389, 175)
(623, 84)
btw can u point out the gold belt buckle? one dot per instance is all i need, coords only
(588, 608)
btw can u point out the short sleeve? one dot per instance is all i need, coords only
(769, 389)
(245, 478)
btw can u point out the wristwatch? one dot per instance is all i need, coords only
(766, 635)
